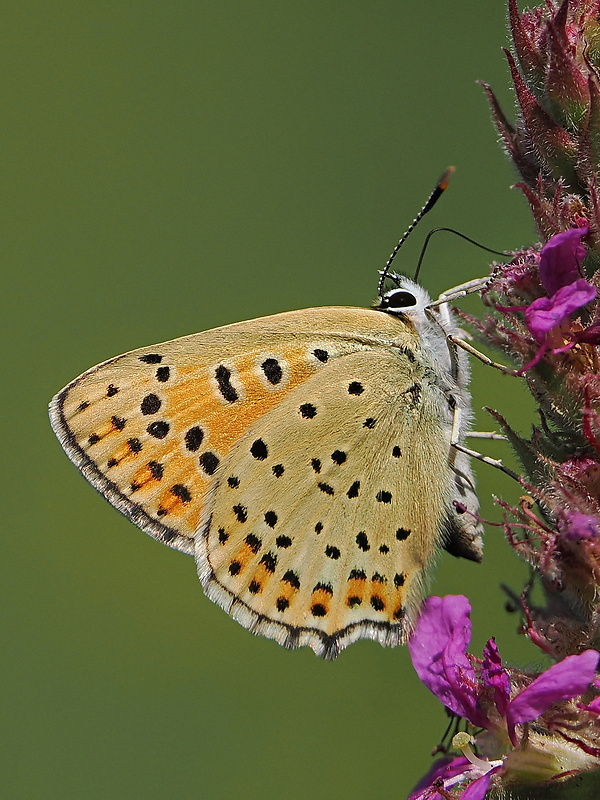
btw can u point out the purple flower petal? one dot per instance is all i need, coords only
(478, 789)
(442, 768)
(561, 258)
(580, 526)
(493, 674)
(546, 313)
(594, 706)
(569, 678)
(438, 647)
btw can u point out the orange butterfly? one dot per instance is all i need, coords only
(305, 459)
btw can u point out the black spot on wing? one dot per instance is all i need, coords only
(150, 404)
(377, 603)
(158, 429)
(259, 450)
(253, 542)
(223, 376)
(357, 575)
(353, 490)
(193, 438)
(156, 470)
(292, 578)
(271, 518)
(325, 488)
(363, 542)
(383, 496)
(134, 445)
(269, 561)
(151, 358)
(308, 410)
(209, 462)
(272, 370)
(182, 492)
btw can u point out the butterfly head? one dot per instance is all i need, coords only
(406, 298)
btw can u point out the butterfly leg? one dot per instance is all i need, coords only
(455, 443)
(458, 342)
(486, 435)
(462, 290)
(455, 341)
(449, 296)
(441, 304)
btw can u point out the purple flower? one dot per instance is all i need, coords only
(445, 774)
(548, 319)
(569, 678)
(446, 670)
(480, 691)
(561, 258)
(493, 674)
(547, 313)
(580, 526)
(440, 773)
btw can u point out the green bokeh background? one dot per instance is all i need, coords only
(172, 166)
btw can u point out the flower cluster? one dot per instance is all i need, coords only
(502, 703)
(549, 318)
(543, 314)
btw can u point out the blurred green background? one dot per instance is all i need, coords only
(172, 166)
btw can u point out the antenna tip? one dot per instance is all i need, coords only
(445, 179)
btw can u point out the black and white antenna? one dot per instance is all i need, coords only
(431, 201)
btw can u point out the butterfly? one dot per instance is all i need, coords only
(304, 459)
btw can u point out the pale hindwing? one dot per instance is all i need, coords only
(150, 429)
(329, 509)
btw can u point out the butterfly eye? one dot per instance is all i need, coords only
(400, 299)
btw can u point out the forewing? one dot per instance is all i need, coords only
(150, 429)
(329, 510)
